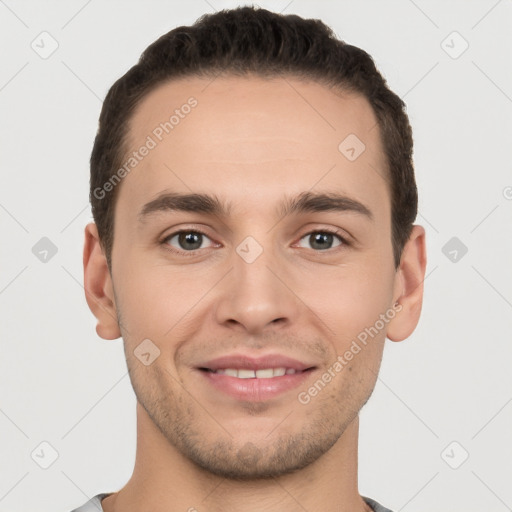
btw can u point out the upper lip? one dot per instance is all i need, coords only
(255, 363)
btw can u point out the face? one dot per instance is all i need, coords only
(289, 258)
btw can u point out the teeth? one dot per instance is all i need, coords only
(267, 373)
(245, 374)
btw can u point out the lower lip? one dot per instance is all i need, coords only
(254, 389)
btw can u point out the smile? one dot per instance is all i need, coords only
(244, 373)
(255, 385)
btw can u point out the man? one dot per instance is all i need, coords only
(253, 193)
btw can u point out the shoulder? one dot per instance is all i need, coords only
(94, 504)
(376, 507)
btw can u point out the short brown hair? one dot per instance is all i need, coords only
(253, 40)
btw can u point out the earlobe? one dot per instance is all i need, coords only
(409, 286)
(99, 291)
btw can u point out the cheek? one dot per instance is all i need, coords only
(351, 299)
(156, 300)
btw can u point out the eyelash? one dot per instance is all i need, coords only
(194, 252)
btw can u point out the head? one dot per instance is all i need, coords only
(247, 41)
(271, 212)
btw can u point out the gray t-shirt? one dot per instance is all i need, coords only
(94, 504)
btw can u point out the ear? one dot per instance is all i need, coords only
(99, 291)
(408, 291)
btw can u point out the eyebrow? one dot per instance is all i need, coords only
(212, 205)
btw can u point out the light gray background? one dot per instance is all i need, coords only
(451, 381)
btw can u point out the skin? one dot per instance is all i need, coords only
(251, 141)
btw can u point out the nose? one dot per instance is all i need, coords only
(257, 296)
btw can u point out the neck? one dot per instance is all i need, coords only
(164, 480)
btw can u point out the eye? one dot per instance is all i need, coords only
(186, 240)
(322, 240)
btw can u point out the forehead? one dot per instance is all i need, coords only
(253, 138)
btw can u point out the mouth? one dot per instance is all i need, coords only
(265, 373)
(255, 379)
